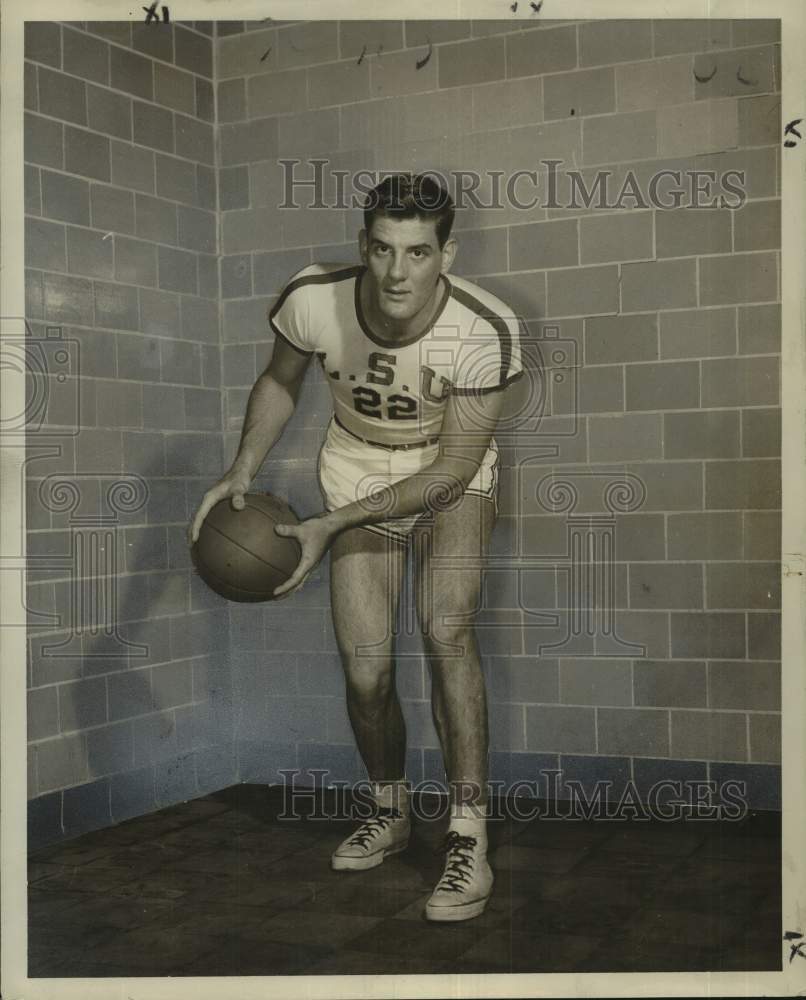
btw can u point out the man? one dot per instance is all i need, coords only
(419, 366)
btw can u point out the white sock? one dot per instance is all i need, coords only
(392, 795)
(470, 821)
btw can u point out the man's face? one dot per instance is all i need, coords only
(404, 262)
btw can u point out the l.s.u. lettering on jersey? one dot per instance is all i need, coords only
(392, 404)
(396, 393)
(433, 387)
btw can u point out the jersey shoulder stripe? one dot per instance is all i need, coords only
(315, 274)
(481, 309)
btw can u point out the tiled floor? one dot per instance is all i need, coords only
(221, 886)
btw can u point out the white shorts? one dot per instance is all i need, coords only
(349, 469)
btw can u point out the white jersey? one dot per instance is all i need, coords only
(395, 393)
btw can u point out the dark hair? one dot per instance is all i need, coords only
(407, 196)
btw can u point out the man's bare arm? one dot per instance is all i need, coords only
(269, 408)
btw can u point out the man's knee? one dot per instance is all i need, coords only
(369, 679)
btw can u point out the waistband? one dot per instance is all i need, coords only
(408, 446)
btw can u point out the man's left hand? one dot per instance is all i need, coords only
(315, 537)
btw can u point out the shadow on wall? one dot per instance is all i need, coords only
(150, 696)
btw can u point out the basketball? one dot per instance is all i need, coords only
(239, 555)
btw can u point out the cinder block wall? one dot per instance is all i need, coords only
(121, 244)
(286, 670)
(671, 327)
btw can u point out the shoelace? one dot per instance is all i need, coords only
(459, 862)
(373, 826)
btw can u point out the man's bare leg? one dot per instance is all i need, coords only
(448, 597)
(458, 694)
(366, 573)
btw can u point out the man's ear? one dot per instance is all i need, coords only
(448, 254)
(363, 245)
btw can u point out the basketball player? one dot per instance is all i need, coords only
(420, 366)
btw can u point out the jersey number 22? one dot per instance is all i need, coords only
(369, 402)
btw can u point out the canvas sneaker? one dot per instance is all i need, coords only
(385, 833)
(467, 881)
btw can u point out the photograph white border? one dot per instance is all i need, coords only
(13, 796)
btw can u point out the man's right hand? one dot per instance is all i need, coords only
(235, 484)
